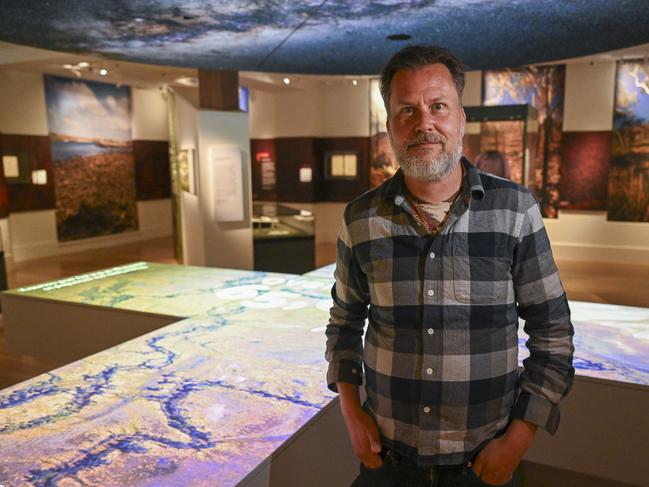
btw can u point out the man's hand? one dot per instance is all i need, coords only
(362, 429)
(496, 463)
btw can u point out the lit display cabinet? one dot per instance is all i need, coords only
(510, 131)
(284, 238)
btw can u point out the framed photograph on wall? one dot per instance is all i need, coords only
(17, 168)
(341, 165)
(188, 170)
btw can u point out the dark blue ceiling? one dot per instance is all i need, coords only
(324, 36)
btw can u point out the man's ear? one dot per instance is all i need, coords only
(463, 118)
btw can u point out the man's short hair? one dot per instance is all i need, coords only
(415, 57)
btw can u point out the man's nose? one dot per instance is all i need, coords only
(425, 122)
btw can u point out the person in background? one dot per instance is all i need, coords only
(442, 260)
(493, 162)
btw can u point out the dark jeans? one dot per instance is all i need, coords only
(399, 472)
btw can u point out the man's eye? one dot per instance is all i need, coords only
(438, 106)
(407, 110)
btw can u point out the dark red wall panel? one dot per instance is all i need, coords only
(584, 170)
(292, 153)
(27, 196)
(258, 146)
(152, 174)
(345, 190)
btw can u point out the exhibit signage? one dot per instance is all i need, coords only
(268, 174)
(227, 179)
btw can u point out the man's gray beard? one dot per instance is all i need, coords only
(426, 169)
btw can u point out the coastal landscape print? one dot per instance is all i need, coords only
(94, 170)
(542, 88)
(628, 184)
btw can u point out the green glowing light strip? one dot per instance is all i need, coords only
(91, 276)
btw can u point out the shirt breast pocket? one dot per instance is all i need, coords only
(482, 274)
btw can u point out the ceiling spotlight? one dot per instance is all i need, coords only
(398, 37)
(186, 81)
(287, 81)
(138, 19)
(355, 82)
(103, 71)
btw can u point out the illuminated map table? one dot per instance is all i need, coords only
(224, 398)
(235, 394)
(71, 318)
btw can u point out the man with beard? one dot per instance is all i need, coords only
(442, 260)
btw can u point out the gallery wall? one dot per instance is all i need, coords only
(29, 229)
(587, 124)
(299, 124)
(296, 125)
(586, 234)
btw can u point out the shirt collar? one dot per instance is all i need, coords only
(471, 185)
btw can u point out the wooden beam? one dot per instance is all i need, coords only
(218, 90)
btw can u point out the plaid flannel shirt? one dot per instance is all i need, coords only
(440, 355)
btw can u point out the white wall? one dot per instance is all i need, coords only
(588, 236)
(227, 244)
(191, 215)
(22, 103)
(472, 95)
(325, 107)
(262, 114)
(344, 109)
(33, 233)
(149, 115)
(590, 94)
(580, 235)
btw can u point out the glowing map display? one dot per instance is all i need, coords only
(205, 400)
(200, 402)
(170, 290)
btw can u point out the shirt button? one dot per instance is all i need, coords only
(427, 410)
(431, 292)
(431, 331)
(429, 371)
(353, 371)
(432, 255)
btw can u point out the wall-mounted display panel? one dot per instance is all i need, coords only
(94, 173)
(227, 184)
(628, 188)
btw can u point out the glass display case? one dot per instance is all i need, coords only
(503, 140)
(284, 238)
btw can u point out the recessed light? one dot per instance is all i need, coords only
(103, 71)
(187, 81)
(355, 82)
(398, 37)
(287, 81)
(138, 19)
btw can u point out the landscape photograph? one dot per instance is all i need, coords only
(628, 184)
(94, 170)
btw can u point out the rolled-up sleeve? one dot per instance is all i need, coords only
(344, 350)
(548, 372)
